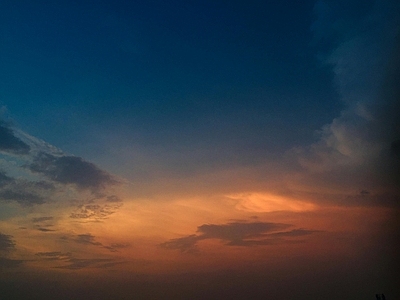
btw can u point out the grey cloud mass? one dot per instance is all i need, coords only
(10, 143)
(71, 170)
(238, 234)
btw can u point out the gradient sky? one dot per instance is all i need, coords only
(199, 149)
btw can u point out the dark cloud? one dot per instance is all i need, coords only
(395, 148)
(238, 234)
(76, 263)
(41, 219)
(186, 244)
(293, 233)
(4, 179)
(359, 149)
(238, 230)
(119, 245)
(43, 185)
(114, 198)
(45, 229)
(10, 143)
(364, 193)
(96, 211)
(6, 242)
(71, 170)
(23, 191)
(54, 255)
(9, 263)
(81, 263)
(115, 246)
(7, 245)
(43, 224)
(22, 197)
(88, 239)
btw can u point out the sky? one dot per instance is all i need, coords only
(199, 149)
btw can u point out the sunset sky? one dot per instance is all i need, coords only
(199, 149)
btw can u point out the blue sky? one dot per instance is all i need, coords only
(232, 75)
(153, 139)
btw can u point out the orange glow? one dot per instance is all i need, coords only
(264, 202)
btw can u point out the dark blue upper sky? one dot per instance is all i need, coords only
(242, 77)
